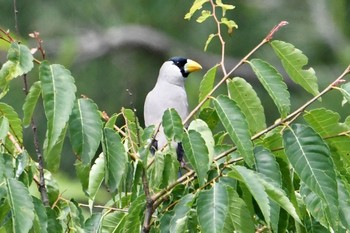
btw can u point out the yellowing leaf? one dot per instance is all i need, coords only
(197, 5)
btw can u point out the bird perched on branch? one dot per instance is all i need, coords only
(169, 92)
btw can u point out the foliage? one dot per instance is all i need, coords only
(252, 177)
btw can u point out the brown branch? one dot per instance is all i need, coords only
(149, 204)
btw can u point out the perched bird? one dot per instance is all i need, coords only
(169, 92)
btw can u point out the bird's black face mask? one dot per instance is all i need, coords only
(180, 62)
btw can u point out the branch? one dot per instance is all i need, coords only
(244, 59)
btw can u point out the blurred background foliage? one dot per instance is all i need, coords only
(113, 46)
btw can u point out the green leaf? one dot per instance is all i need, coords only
(96, 177)
(21, 203)
(172, 125)
(82, 170)
(170, 171)
(311, 159)
(249, 103)
(267, 166)
(212, 208)
(273, 83)
(58, 91)
(204, 16)
(85, 129)
(93, 224)
(344, 203)
(4, 127)
(236, 125)
(20, 61)
(181, 211)
(224, 7)
(202, 128)
(30, 103)
(197, 154)
(345, 90)
(210, 37)
(133, 219)
(210, 117)
(314, 205)
(197, 5)
(115, 158)
(326, 123)
(206, 86)
(113, 222)
(133, 127)
(255, 187)
(15, 123)
(157, 170)
(230, 24)
(40, 218)
(293, 61)
(54, 224)
(238, 213)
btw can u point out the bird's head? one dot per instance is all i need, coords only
(176, 69)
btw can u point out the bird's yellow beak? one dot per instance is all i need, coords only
(192, 66)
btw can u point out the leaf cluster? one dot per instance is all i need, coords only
(240, 174)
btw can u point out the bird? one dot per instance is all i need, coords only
(169, 92)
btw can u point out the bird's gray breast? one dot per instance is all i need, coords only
(162, 97)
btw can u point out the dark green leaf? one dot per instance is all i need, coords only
(236, 125)
(172, 125)
(212, 208)
(93, 224)
(210, 117)
(113, 222)
(293, 61)
(58, 91)
(267, 166)
(310, 157)
(206, 86)
(40, 220)
(85, 129)
(133, 219)
(249, 103)
(197, 154)
(239, 214)
(82, 171)
(344, 203)
(273, 83)
(21, 203)
(30, 103)
(115, 158)
(181, 211)
(15, 123)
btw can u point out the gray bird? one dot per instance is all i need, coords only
(169, 92)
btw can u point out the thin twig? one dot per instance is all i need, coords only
(218, 26)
